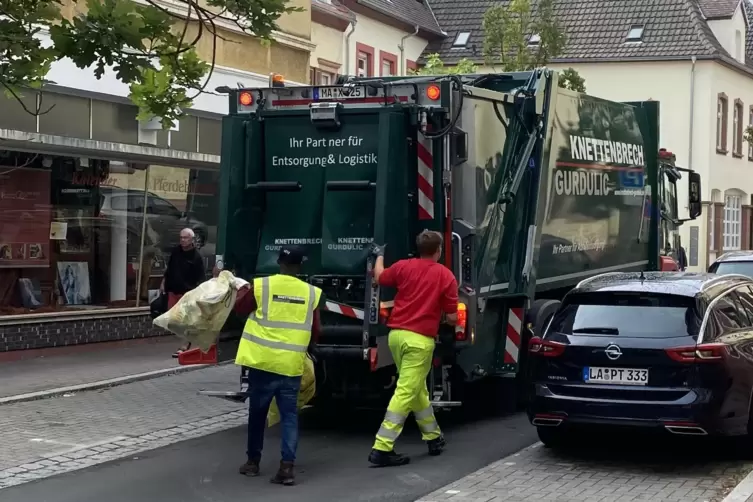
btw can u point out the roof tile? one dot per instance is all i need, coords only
(413, 12)
(596, 29)
(718, 9)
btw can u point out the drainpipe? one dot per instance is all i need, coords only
(692, 107)
(347, 46)
(402, 50)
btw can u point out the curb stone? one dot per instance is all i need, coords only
(743, 491)
(103, 384)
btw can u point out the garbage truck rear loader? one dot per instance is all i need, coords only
(534, 188)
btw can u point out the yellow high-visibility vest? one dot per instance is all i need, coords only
(277, 334)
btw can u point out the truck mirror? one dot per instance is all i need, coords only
(694, 195)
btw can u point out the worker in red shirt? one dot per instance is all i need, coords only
(425, 291)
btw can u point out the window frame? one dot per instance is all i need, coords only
(732, 227)
(722, 116)
(737, 128)
(750, 124)
(391, 59)
(365, 54)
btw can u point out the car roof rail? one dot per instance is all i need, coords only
(725, 277)
(594, 277)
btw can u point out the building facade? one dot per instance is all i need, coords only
(693, 56)
(92, 201)
(369, 38)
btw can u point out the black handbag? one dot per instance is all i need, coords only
(158, 306)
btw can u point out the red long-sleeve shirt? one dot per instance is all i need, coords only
(425, 289)
(245, 304)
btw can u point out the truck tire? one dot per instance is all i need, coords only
(537, 317)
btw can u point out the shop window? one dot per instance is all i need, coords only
(71, 234)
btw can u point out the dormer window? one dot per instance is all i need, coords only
(462, 39)
(534, 40)
(635, 34)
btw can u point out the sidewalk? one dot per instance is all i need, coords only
(538, 474)
(86, 364)
(46, 437)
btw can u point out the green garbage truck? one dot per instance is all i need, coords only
(534, 188)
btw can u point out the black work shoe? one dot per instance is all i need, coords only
(250, 468)
(387, 458)
(285, 475)
(436, 446)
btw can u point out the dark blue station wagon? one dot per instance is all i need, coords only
(663, 350)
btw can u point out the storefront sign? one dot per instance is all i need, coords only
(24, 217)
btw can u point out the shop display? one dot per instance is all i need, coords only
(74, 281)
(24, 217)
(71, 229)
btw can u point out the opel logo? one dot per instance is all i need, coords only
(613, 352)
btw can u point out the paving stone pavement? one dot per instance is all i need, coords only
(86, 366)
(538, 474)
(52, 436)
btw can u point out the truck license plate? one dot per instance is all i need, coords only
(345, 92)
(616, 376)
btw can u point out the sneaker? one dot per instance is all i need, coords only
(436, 446)
(250, 468)
(285, 475)
(387, 458)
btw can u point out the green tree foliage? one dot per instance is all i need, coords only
(516, 38)
(435, 66)
(571, 79)
(147, 45)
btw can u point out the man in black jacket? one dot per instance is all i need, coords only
(184, 271)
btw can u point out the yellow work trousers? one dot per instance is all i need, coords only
(412, 354)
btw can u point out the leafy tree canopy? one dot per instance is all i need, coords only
(516, 39)
(147, 46)
(435, 66)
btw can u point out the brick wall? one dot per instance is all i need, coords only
(58, 333)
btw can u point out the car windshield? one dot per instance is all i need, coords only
(638, 315)
(734, 267)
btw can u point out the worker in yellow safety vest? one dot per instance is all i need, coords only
(276, 338)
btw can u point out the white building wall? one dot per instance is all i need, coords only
(330, 46)
(731, 34)
(386, 38)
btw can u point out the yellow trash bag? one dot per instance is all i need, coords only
(200, 314)
(308, 389)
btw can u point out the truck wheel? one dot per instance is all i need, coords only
(552, 437)
(538, 317)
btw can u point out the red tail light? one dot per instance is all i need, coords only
(373, 358)
(545, 348)
(460, 326)
(704, 353)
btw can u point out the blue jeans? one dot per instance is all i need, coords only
(263, 386)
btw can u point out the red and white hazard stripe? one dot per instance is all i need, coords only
(342, 309)
(514, 328)
(425, 179)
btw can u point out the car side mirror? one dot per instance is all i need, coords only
(694, 195)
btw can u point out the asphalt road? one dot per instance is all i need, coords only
(332, 465)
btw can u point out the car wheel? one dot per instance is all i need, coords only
(552, 437)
